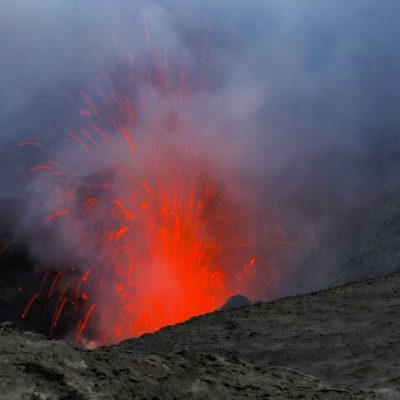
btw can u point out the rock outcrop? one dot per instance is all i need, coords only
(340, 343)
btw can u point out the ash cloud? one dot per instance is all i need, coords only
(306, 93)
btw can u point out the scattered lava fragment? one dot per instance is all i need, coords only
(155, 235)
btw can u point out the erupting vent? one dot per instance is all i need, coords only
(155, 236)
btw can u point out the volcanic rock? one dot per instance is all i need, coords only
(374, 243)
(341, 343)
(360, 244)
(236, 301)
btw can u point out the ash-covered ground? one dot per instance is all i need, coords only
(341, 343)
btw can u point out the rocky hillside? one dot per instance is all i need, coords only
(340, 343)
(372, 248)
(360, 244)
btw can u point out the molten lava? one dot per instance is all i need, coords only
(155, 234)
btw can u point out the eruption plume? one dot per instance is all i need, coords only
(149, 224)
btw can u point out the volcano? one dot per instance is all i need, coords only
(147, 230)
(199, 199)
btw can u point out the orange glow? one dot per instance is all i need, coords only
(59, 311)
(29, 305)
(157, 236)
(83, 324)
(59, 213)
(40, 168)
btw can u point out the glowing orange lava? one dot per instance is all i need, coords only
(157, 237)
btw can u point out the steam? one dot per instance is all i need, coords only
(300, 97)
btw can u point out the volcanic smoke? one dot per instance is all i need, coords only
(150, 229)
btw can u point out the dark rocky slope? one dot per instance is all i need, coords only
(342, 343)
(372, 241)
(360, 244)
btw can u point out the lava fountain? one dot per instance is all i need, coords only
(152, 232)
